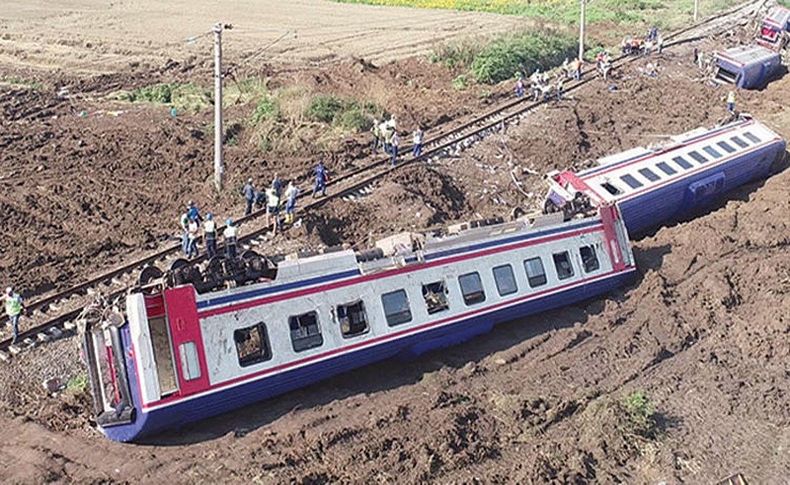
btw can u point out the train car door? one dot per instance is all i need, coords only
(187, 340)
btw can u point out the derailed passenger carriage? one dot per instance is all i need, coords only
(748, 66)
(651, 186)
(174, 356)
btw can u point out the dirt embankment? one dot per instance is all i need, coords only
(88, 182)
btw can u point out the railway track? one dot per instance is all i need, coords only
(54, 316)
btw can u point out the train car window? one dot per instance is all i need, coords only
(649, 174)
(536, 274)
(726, 147)
(712, 152)
(505, 280)
(631, 181)
(472, 288)
(682, 163)
(739, 141)
(190, 365)
(435, 296)
(697, 156)
(750, 136)
(163, 355)
(611, 188)
(562, 263)
(353, 319)
(396, 307)
(589, 259)
(305, 332)
(664, 167)
(252, 345)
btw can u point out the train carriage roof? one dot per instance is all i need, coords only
(641, 168)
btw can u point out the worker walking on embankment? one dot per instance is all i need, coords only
(13, 309)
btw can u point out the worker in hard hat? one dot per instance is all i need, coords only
(291, 194)
(230, 234)
(210, 235)
(13, 309)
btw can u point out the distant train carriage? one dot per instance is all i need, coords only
(748, 67)
(175, 356)
(774, 29)
(652, 186)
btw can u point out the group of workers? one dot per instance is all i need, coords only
(385, 135)
(191, 223)
(270, 198)
(541, 86)
(636, 45)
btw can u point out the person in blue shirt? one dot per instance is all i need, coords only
(321, 179)
(249, 196)
(193, 213)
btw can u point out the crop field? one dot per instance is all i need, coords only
(665, 13)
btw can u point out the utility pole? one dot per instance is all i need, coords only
(219, 167)
(581, 28)
(696, 10)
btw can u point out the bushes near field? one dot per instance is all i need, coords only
(504, 56)
(523, 53)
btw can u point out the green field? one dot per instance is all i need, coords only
(664, 13)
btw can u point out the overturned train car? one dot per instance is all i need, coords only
(654, 185)
(172, 355)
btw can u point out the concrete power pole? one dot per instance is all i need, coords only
(696, 10)
(581, 29)
(219, 167)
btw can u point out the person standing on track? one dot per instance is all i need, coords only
(520, 87)
(273, 208)
(194, 229)
(395, 143)
(577, 69)
(230, 234)
(193, 213)
(184, 222)
(291, 193)
(13, 309)
(210, 235)
(417, 139)
(376, 136)
(249, 196)
(321, 179)
(277, 185)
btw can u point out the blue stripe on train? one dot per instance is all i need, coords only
(224, 400)
(675, 200)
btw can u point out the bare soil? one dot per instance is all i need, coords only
(703, 330)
